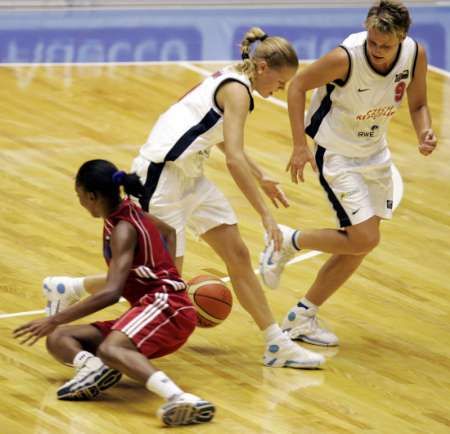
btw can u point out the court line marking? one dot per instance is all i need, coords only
(159, 62)
(298, 258)
(130, 63)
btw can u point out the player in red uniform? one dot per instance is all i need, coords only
(140, 269)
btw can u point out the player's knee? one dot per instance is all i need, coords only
(51, 342)
(106, 352)
(365, 242)
(54, 339)
(238, 255)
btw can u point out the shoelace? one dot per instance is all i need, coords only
(315, 324)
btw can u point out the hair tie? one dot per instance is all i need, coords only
(245, 56)
(118, 177)
(264, 37)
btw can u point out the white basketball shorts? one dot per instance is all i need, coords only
(185, 202)
(357, 188)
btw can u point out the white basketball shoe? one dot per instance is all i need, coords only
(303, 325)
(186, 409)
(59, 292)
(91, 378)
(283, 353)
(272, 263)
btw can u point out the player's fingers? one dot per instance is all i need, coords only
(282, 198)
(20, 328)
(292, 173)
(300, 174)
(426, 148)
(25, 339)
(17, 333)
(277, 239)
(34, 340)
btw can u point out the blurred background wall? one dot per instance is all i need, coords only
(77, 31)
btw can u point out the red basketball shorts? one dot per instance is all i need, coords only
(158, 325)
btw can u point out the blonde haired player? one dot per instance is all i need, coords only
(359, 87)
(171, 166)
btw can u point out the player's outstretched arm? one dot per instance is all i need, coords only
(332, 66)
(123, 242)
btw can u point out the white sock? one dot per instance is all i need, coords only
(294, 240)
(162, 385)
(78, 286)
(272, 332)
(80, 358)
(308, 304)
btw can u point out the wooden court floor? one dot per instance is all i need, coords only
(391, 373)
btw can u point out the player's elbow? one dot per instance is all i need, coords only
(110, 297)
(296, 87)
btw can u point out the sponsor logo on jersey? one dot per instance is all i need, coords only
(363, 90)
(371, 133)
(387, 112)
(399, 91)
(401, 76)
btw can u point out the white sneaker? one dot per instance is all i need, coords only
(303, 325)
(283, 353)
(59, 292)
(92, 378)
(186, 409)
(271, 263)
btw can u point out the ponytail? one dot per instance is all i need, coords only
(102, 178)
(130, 182)
(275, 50)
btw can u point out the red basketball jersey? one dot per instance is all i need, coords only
(153, 269)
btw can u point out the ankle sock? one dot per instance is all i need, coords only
(78, 286)
(80, 358)
(306, 304)
(294, 240)
(272, 332)
(162, 385)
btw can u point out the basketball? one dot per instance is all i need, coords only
(212, 300)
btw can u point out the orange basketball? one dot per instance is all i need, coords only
(211, 298)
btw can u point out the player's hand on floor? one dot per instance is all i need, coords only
(32, 331)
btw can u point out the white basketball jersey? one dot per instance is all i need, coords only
(185, 133)
(351, 117)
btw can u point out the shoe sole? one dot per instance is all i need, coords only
(188, 413)
(107, 380)
(313, 342)
(274, 363)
